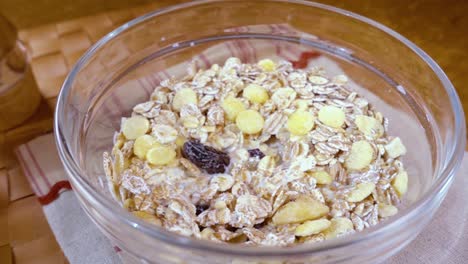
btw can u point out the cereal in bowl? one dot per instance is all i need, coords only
(258, 154)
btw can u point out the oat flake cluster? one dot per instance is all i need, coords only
(260, 154)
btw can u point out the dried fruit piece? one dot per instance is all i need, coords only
(183, 97)
(360, 156)
(232, 107)
(260, 226)
(300, 122)
(224, 181)
(322, 177)
(400, 183)
(361, 191)
(200, 208)
(152, 219)
(135, 126)
(256, 153)
(160, 155)
(312, 227)
(205, 157)
(369, 126)
(387, 210)
(250, 121)
(331, 116)
(255, 93)
(302, 209)
(267, 65)
(339, 226)
(395, 148)
(143, 144)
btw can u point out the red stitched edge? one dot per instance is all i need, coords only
(54, 192)
(304, 59)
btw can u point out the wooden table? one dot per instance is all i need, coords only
(439, 27)
(435, 25)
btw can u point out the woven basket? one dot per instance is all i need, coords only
(19, 102)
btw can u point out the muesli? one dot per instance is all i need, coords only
(261, 154)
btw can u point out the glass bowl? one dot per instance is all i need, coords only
(121, 70)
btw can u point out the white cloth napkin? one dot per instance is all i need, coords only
(79, 238)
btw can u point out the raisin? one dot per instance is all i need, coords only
(205, 157)
(231, 228)
(256, 153)
(260, 226)
(201, 208)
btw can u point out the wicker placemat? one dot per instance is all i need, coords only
(55, 48)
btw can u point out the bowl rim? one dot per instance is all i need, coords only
(443, 180)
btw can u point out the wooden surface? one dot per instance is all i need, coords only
(25, 235)
(439, 27)
(31, 13)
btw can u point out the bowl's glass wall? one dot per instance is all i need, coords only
(124, 71)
